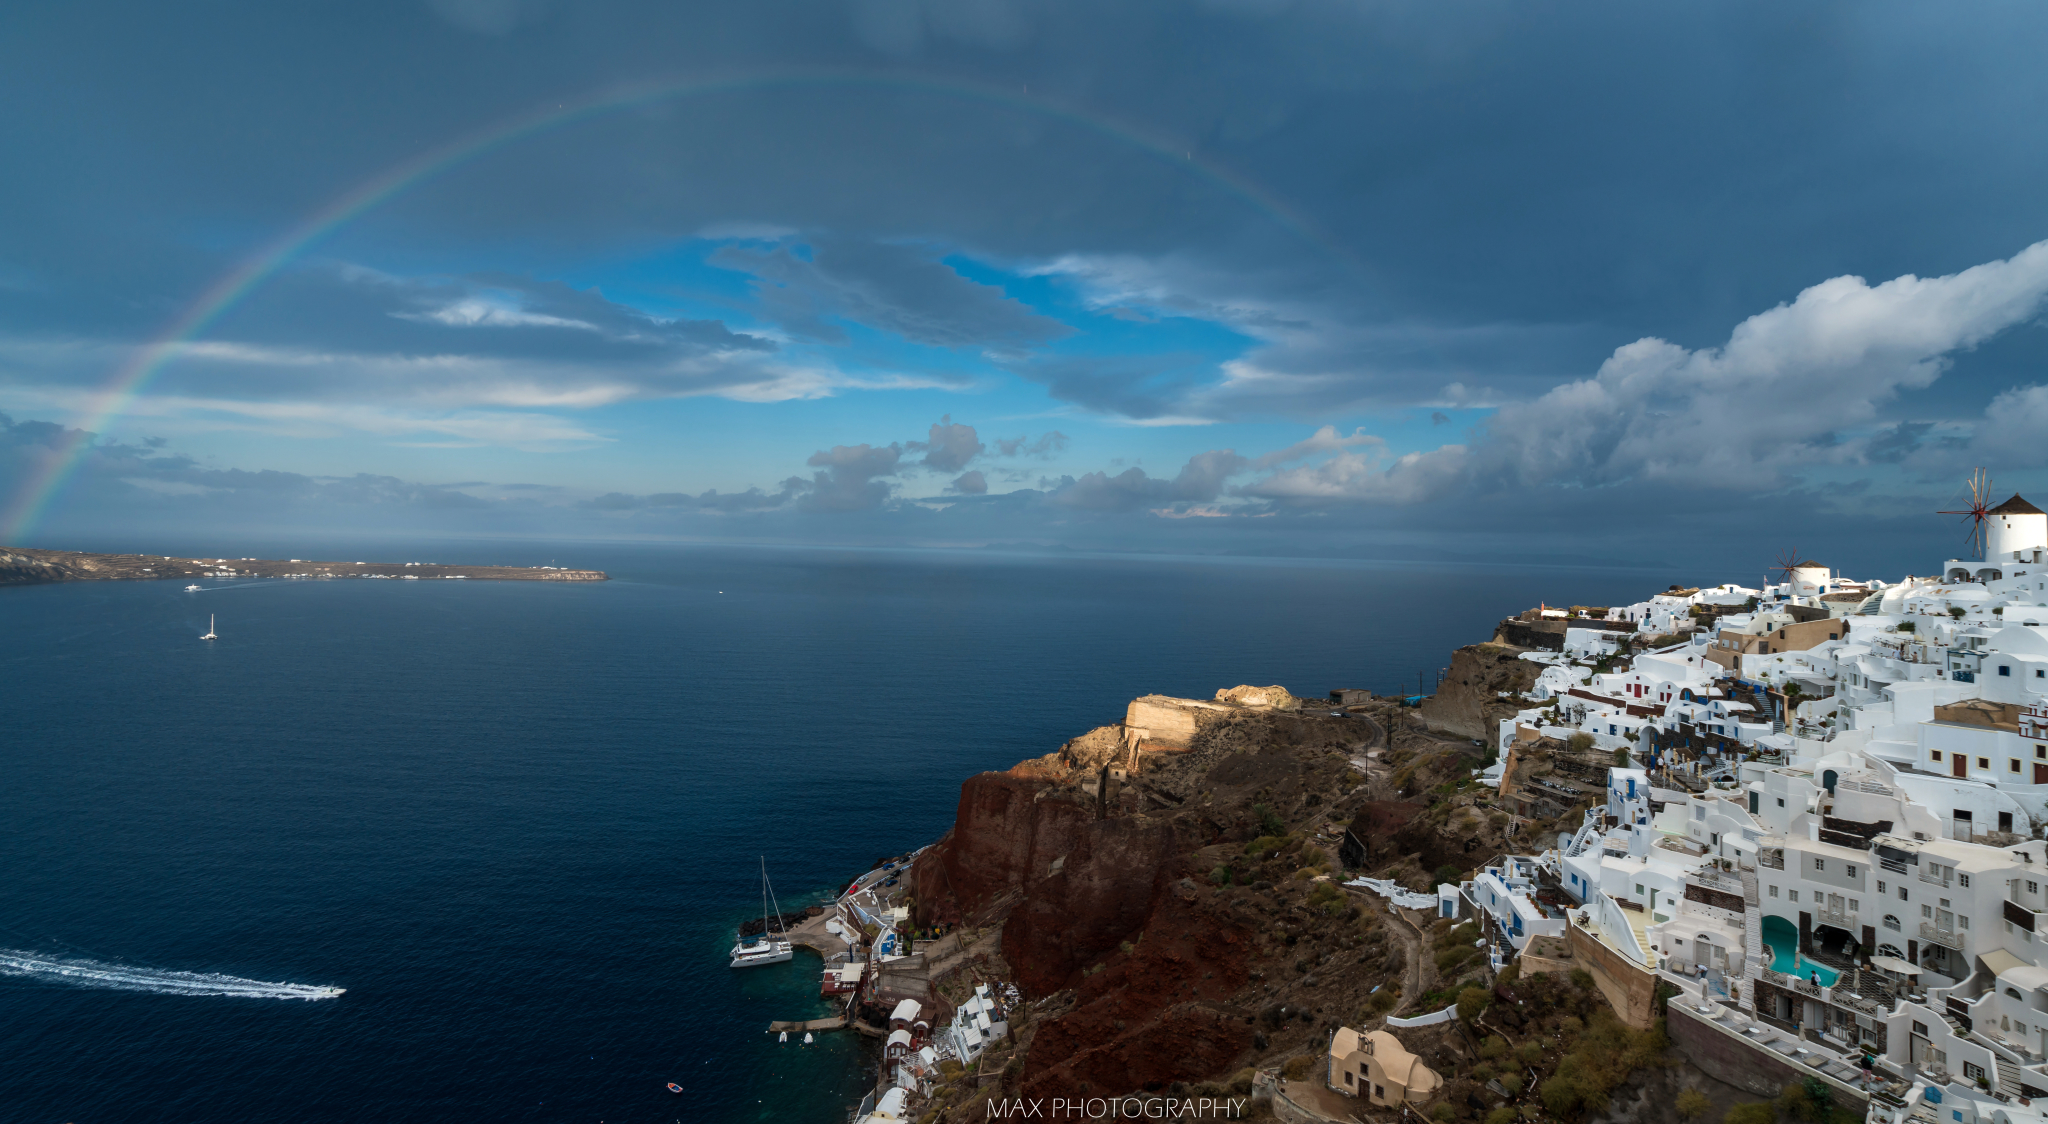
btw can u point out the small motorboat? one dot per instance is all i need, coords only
(674, 1088)
(807, 1038)
(784, 1038)
(191, 589)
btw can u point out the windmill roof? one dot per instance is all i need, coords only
(2016, 506)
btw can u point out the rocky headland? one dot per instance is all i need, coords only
(1166, 890)
(27, 566)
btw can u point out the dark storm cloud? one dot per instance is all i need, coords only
(1199, 481)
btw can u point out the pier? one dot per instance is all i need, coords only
(837, 1022)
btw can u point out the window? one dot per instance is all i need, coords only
(1934, 755)
(1792, 895)
(2013, 993)
(1349, 1077)
(1962, 922)
(1963, 880)
(1920, 1029)
(2015, 764)
(2033, 887)
(2041, 753)
(1880, 886)
(1892, 923)
(2005, 670)
(1974, 1072)
(1639, 889)
(1902, 894)
(1774, 891)
(1851, 870)
(1380, 1091)
(1855, 906)
(1927, 911)
(1781, 801)
(1983, 762)
(1820, 864)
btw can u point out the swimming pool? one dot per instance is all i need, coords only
(1783, 941)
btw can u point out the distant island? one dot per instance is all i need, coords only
(24, 566)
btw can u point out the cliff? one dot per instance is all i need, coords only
(1153, 948)
(1467, 703)
(26, 566)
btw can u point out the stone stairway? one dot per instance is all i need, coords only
(2008, 1075)
(1752, 930)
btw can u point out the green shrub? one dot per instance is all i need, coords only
(1263, 845)
(1492, 1048)
(1482, 1073)
(1273, 824)
(1755, 1112)
(1448, 873)
(1602, 1056)
(1505, 1114)
(1582, 979)
(1529, 1053)
(1454, 957)
(1220, 876)
(1443, 1113)
(1691, 1103)
(1382, 1001)
(1472, 1001)
(1298, 1067)
(1579, 742)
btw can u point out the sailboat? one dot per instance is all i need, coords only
(209, 629)
(771, 947)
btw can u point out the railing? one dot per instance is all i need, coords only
(1839, 918)
(1893, 865)
(1855, 1003)
(1775, 861)
(1721, 882)
(1807, 987)
(1947, 938)
(1927, 874)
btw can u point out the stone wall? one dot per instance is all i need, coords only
(1629, 987)
(1726, 1055)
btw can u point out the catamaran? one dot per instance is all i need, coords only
(209, 629)
(772, 947)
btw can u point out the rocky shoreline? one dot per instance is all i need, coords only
(28, 566)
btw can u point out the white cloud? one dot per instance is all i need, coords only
(1777, 397)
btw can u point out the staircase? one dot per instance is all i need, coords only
(1752, 931)
(2008, 1075)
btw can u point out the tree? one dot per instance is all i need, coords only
(1691, 1103)
(1621, 758)
(1755, 1112)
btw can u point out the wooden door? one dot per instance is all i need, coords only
(1960, 764)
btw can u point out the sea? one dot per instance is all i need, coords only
(519, 822)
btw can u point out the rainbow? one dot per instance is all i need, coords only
(47, 478)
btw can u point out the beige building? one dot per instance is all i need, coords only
(1375, 1065)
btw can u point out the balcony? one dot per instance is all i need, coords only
(1927, 874)
(1840, 919)
(1947, 938)
(1774, 859)
(1893, 865)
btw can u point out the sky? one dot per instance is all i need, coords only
(1456, 280)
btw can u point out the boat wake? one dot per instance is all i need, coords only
(122, 977)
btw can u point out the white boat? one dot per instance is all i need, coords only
(209, 629)
(807, 1038)
(784, 1038)
(768, 949)
(192, 589)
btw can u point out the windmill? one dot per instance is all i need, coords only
(1788, 563)
(1980, 496)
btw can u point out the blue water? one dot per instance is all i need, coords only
(1782, 938)
(518, 822)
